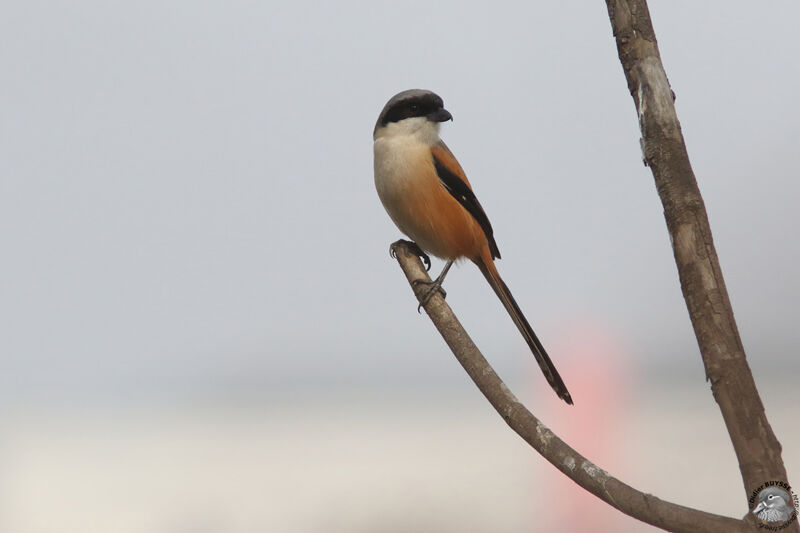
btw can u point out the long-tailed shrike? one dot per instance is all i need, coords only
(427, 195)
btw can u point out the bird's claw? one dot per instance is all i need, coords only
(414, 249)
(433, 288)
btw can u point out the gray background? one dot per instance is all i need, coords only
(189, 217)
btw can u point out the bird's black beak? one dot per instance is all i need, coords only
(440, 115)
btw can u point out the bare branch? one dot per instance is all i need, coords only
(757, 449)
(630, 501)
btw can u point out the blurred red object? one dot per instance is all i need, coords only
(596, 368)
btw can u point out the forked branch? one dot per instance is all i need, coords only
(630, 501)
(664, 151)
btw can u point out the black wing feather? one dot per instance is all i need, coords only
(464, 195)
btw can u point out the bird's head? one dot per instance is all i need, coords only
(415, 112)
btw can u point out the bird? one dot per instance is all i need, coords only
(427, 195)
(773, 505)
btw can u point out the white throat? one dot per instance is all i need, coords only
(420, 129)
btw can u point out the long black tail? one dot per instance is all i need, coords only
(501, 289)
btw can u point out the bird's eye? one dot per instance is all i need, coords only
(414, 108)
(770, 496)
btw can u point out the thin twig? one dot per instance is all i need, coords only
(630, 501)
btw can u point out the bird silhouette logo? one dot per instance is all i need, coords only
(774, 506)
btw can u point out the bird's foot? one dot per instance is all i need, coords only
(413, 248)
(432, 288)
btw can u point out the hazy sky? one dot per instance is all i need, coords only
(187, 198)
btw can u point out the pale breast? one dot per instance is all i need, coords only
(412, 194)
(402, 175)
